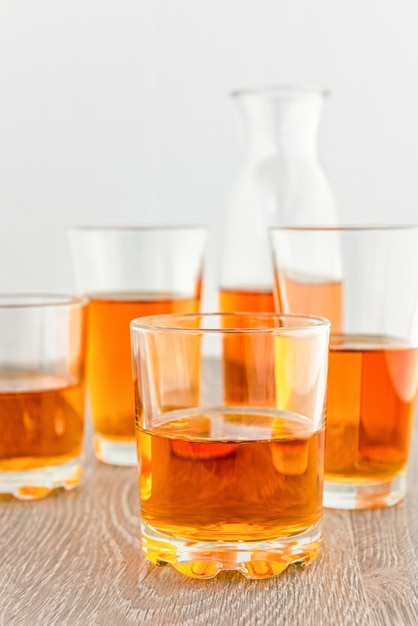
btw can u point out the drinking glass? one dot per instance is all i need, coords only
(128, 272)
(365, 280)
(230, 482)
(42, 363)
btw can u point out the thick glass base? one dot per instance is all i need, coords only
(364, 495)
(256, 560)
(33, 484)
(115, 451)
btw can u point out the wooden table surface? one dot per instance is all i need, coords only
(75, 558)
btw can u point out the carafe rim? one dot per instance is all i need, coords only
(282, 91)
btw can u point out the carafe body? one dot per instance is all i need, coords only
(281, 182)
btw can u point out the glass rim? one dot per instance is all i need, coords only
(40, 300)
(280, 90)
(345, 228)
(311, 322)
(137, 227)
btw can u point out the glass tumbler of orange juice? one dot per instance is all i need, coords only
(42, 393)
(227, 482)
(365, 280)
(128, 272)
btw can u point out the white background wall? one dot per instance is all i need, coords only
(117, 111)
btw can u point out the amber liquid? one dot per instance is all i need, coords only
(109, 364)
(372, 388)
(323, 299)
(247, 359)
(249, 476)
(232, 300)
(41, 421)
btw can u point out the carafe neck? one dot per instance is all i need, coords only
(280, 120)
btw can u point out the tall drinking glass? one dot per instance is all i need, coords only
(230, 482)
(42, 399)
(365, 280)
(128, 272)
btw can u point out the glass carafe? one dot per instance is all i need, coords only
(281, 183)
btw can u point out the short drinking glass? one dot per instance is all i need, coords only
(42, 363)
(230, 481)
(128, 272)
(365, 280)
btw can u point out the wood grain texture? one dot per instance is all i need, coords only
(75, 559)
